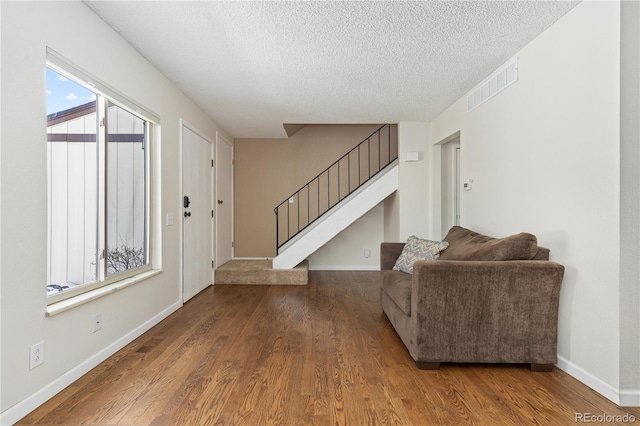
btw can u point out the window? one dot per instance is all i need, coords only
(98, 185)
(126, 191)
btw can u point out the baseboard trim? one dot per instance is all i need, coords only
(611, 393)
(24, 407)
(630, 398)
(344, 267)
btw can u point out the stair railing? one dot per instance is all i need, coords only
(336, 182)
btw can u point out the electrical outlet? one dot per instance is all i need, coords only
(36, 355)
(97, 322)
(367, 253)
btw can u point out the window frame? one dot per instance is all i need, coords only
(106, 95)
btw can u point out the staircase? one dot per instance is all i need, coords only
(306, 242)
(335, 198)
(322, 208)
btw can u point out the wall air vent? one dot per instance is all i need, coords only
(493, 85)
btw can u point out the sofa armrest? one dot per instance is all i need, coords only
(389, 253)
(512, 304)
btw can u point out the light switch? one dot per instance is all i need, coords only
(169, 219)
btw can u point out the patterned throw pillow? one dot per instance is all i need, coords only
(417, 249)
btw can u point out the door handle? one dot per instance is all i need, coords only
(187, 214)
(185, 201)
(220, 201)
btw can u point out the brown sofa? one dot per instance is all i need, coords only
(484, 300)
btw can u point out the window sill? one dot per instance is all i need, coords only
(81, 299)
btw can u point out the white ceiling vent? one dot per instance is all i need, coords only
(494, 85)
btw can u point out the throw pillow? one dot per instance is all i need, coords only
(418, 249)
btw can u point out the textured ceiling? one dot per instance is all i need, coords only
(253, 66)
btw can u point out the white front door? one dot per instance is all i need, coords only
(197, 206)
(224, 195)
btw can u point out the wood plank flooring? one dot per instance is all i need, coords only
(321, 354)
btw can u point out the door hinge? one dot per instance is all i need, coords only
(213, 263)
(211, 213)
(211, 163)
(102, 122)
(231, 243)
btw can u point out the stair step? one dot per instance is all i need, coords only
(261, 272)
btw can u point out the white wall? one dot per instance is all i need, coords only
(408, 212)
(391, 218)
(544, 155)
(346, 250)
(71, 29)
(630, 203)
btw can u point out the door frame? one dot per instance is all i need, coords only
(183, 124)
(220, 138)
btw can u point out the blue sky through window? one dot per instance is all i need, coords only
(63, 94)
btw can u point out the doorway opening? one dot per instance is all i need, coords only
(451, 184)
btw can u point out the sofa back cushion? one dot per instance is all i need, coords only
(465, 244)
(542, 254)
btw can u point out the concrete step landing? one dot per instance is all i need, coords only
(261, 272)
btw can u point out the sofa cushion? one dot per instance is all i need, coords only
(418, 249)
(397, 285)
(465, 244)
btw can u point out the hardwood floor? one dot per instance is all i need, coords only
(294, 355)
